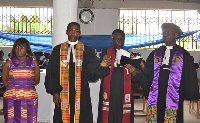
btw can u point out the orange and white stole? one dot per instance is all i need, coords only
(64, 81)
(106, 92)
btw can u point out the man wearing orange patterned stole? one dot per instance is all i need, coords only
(71, 65)
(169, 77)
(116, 102)
(20, 75)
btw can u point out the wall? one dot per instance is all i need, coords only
(105, 21)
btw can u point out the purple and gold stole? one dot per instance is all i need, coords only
(106, 92)
(172, 96)
(64, 81)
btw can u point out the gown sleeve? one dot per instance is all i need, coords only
(52, 79)
(145, 75)
(189, 77)
(93, 69)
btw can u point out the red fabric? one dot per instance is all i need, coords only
(106, 89)
(127, 90)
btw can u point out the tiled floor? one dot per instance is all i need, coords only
(188, 118)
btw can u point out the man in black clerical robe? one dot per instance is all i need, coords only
(169, 77)
(116, 102)
(64, 59)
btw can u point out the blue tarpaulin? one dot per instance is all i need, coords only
(44, 42)
(37, 41)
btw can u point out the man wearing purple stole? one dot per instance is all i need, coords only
(168, 78)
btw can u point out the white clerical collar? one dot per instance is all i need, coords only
(169, 47)
(167, 55)
(71, 48)
(72, 43)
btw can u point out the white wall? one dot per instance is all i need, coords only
(105, 21)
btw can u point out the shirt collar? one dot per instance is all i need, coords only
(72, 43)
(169, 47)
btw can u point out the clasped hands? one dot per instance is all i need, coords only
(106, 62)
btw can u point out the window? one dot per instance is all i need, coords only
(149, 22)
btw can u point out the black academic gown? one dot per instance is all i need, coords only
(116, 96)
(188, 86)
(91, 71)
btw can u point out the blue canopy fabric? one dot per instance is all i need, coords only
(37, 41)
(44, 42)
(131, 41)
(151, 39)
